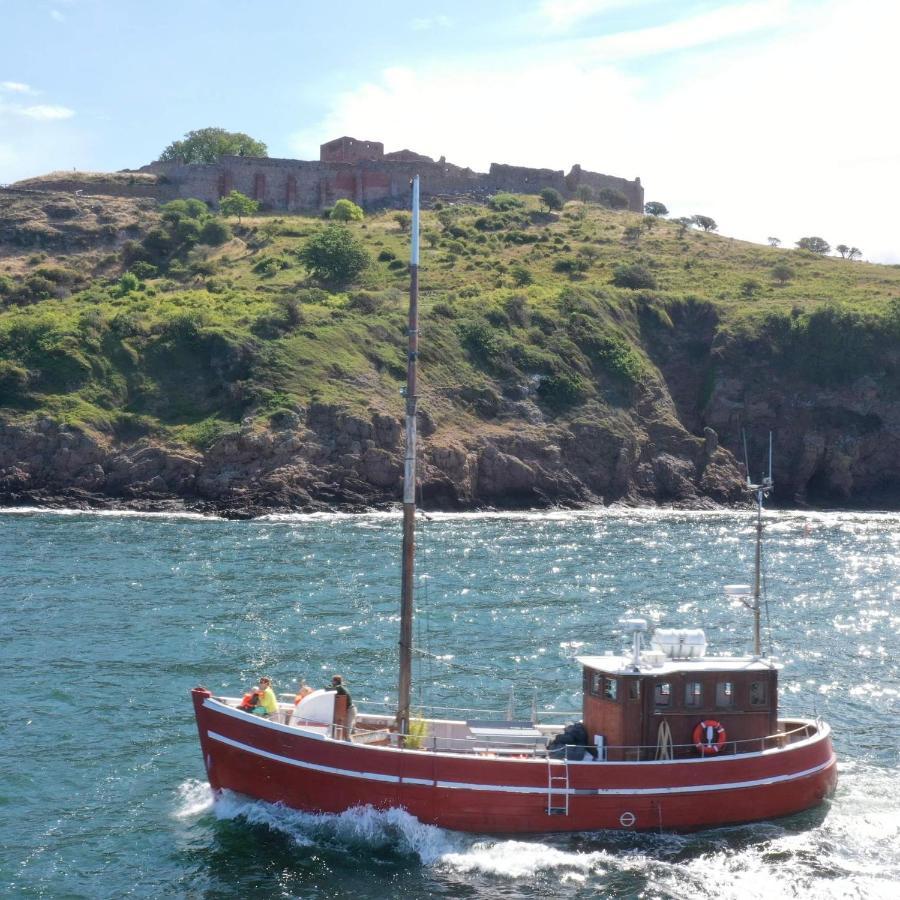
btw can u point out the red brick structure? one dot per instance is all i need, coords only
(362, 172)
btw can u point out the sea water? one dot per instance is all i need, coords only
(110, 619)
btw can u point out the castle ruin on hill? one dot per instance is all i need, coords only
(362, 172)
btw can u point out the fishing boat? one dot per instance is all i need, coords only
(669, 737)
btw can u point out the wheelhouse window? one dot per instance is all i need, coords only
(611, 688)
(759, 693)
(662, 695)
(725, 693)
(634, 689)
(693, 693)
(596, 684)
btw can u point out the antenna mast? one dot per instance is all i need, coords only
(409, 479)
(761, 490)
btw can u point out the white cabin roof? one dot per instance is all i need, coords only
(651, 664)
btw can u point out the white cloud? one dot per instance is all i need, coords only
(696, 31)
(788, 136)
(57, 16)
(16, 87)
(45, 112)
(561, 15)
(429, 22)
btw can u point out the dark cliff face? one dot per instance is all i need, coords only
(327, 458)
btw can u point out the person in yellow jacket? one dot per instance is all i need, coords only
(267, 699)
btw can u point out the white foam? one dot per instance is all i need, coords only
(195, 797)
(524, 859)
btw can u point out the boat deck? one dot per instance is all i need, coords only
(513, 739)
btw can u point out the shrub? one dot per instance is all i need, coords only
(635, 276)
(750, 287)
(612, 198)
(127, 283)
(655, 208)
(365, 302)
(782, 273)
(561, 390)
(267, 266)
(503, 202)
(403, 219)
(396, 264)
(141, 269)
(215, 232)
(552, 198)
(521, 276)
(571, 265)
(346, 211)
(386, 256)
(334, 255)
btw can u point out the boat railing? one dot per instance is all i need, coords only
(535, 747)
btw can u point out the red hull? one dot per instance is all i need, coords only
(280, 764)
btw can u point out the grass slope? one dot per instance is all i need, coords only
(516, 302)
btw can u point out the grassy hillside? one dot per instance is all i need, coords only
(516, 304)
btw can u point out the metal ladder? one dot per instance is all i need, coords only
(557, 788)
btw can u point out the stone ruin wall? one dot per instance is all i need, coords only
(356, 170)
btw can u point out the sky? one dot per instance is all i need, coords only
(772, 116)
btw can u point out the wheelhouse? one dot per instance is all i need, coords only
(673, 701)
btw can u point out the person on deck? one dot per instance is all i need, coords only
(304, 690)
(267, 699)
(337, 685)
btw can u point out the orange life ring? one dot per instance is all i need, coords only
(709, 737)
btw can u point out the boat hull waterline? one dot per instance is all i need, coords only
(306, 771)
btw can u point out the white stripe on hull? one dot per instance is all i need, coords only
(516, 789)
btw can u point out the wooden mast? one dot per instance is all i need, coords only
(409, 479)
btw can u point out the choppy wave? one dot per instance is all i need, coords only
(852, 852)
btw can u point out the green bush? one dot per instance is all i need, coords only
(334, 255)
(503, 202)
(635, 276)
(127, 283)
(267, 266)
(215, 232)
(561, 390)
(141, 270)
(386, 256)
(346, 211)
(612, 198)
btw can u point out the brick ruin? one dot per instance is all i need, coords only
(362, 172)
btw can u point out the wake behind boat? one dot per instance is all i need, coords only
(669, 737)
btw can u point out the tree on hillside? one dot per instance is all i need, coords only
(655, 208)
(782, 273)
(612, 198)
(843, 249)
(854, 253)
(552, 198)
(705, 222)
(683, 223)
(238, 204)
(585, 193)
(206, 145)
(334, 255)
(814, 245)
(346, 211)
(773, 241)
